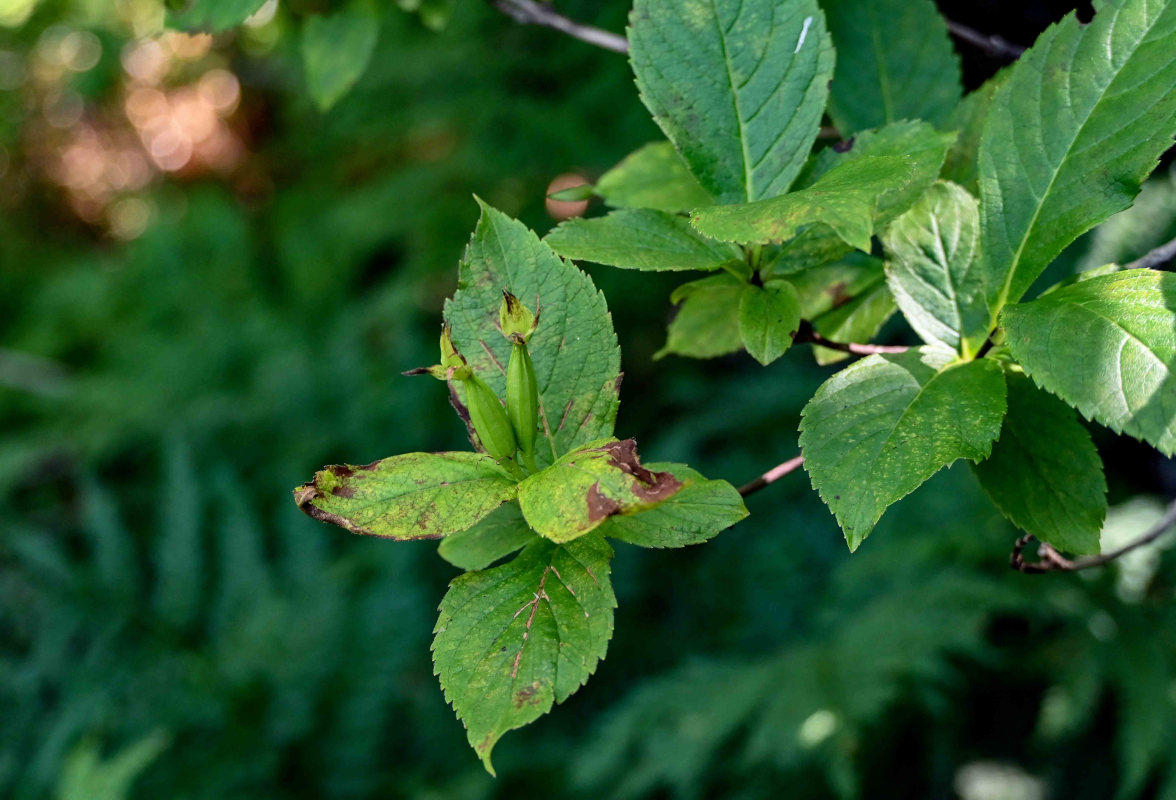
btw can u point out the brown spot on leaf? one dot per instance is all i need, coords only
(839, 294)
(654, 486)
(341, 470)
(346, 492)
(600, 506)
(528, 695)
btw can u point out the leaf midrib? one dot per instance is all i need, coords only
(1012, 268)
(747, 179)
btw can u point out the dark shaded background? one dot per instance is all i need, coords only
(180, 350)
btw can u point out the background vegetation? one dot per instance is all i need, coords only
(208, 289)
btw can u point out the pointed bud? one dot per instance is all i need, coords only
(449, 355)
(515, 319)
(453, 365)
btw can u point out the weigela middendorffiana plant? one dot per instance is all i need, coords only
(548, 480)
(947, 209)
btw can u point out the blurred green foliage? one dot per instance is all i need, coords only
(171, 626)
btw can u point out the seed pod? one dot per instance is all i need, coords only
(489, 419)
(522, 396)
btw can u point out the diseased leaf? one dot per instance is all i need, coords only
(640, 238)
(738, 86)
(512, 641)
(336, 50)
(1044, 473)
(769, 317)
(212, 15)
(1080, 123)
(894, 62)
(707, 321)
(931, 267)
(587, 486)
(496, 536)
(411, 496)
(917, 142)
(574, 349)
(1108, 347)
(845, 199)
(654, 176)
(695, 514)
(878, 429)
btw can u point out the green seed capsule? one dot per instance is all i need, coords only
(522, 397)
(489, 420)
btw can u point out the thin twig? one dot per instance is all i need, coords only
(771, 476)
(995, 46)
(807, 334)
(529, 12)
(1050, 560)
(1162, 256)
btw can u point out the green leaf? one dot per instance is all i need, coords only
(640, 238)
(894, 62)
(411, 496)
(917, 142)
(829, 286)
(574, 349)
(1080, 123)
(878, 429)
(495, 537)
(931, 267)
(738, 86)
(336, 50)
(845, 199)
(1044, 473)
(587, 486)
(707, 322)
(1108, 347)
(968, 120)
(514, 640)
(847, 301)
(1132, 234)
(654, 176)
(856, 320)
(769, 317)
(701, 510)
(212, 15)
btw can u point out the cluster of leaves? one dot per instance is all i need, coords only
(514, 639)
(1053, 146)
(738, 191)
